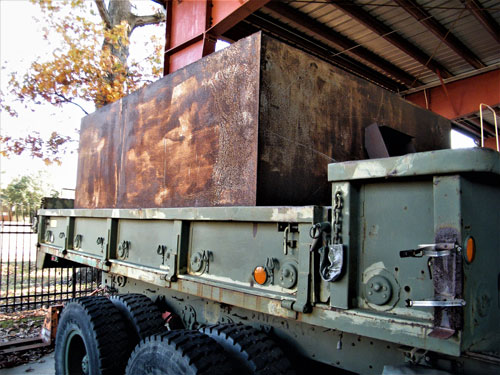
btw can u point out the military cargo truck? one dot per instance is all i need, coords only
(398, 272)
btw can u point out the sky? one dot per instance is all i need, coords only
(21, 42)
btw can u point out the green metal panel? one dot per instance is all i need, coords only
(236, 249)
(341, 291)
(144, 237)
(389, 205)
(94, 236)
(395, 216)
(480, 206)
(419, 164)
(288, 214)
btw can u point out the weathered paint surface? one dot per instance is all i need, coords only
(312, 113)
(189, 139)
(380, 217)
(254, 124)
(420, 164)
(256, 214)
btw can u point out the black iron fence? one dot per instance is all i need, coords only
(22, 285)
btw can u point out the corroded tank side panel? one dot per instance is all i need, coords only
(312, 113)
(189, 139)
(99, 158)
(254, 124)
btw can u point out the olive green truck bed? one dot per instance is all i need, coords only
(402, 270)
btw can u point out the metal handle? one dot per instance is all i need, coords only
(481, 120)
(285, 241)
(428, 303)
(430, 250)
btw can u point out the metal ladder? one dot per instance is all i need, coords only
(496, 125)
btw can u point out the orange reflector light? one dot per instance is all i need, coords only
(260, 275)
(470, 250)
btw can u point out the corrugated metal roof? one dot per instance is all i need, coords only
(400, 69)
(451, 14)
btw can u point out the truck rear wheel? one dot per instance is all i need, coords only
(253, 351)
(90, 338)
(179, 352)
(141, 316)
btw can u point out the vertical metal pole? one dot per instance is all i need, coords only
(23, 246)
(29, 276)
(168, 38)
(86, 279)
(1, 254)
(41, 286)
(73, 283)
(16, 248)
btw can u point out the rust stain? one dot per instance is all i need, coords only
(254, 124)
(189, 139)
(255, 227)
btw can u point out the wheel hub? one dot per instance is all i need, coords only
(85, 364)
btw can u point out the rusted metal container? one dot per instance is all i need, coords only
(254, 124)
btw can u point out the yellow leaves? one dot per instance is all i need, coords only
(90, 66)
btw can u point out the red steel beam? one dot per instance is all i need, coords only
(461, 97)
(193, 27)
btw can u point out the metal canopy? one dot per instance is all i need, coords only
(406, 46)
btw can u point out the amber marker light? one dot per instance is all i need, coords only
(470, 250)
(260, 275)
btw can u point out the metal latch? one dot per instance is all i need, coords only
(287, 243)
(431, 250)
(271, 265)
(438, 303)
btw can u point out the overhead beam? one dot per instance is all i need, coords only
(461, 98)
(322, 50)
(391, 36)
(193, 27)
(484, 18)
(322, 31)
(426, 19)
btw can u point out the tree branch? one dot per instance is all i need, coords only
(152, 19)
(66, 100)
(104, 13)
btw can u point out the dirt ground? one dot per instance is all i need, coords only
(21, 325)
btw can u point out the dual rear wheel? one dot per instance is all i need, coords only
(126, 334)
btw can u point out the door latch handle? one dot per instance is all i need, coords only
(436, 303)
(431, 250)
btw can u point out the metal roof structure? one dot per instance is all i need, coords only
(416, 48)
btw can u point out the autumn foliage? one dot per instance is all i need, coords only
(89, 68)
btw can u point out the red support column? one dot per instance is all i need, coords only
(194, 25)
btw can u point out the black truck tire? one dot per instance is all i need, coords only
(180, 352)
(141, 316)
(253, 351)
(91, 338)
